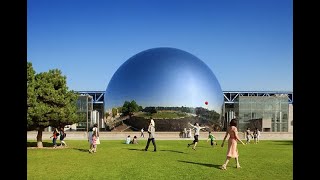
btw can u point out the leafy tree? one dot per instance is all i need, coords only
(129, 108)
(31, 96)
(134, 107)
(119, 109)
(68, 113)
(150, 110)
(50, 103)
(114, 112)
(125, 108)
(106, 114)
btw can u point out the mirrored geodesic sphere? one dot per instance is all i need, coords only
(172, 86)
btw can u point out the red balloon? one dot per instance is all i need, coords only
(206, 102)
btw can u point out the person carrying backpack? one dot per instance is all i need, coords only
(62, 136)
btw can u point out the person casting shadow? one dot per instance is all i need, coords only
(232, 151)
(151, 131)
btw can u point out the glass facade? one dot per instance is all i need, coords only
(99, 108)
(85, 108)
(267, 110)
(267, 113)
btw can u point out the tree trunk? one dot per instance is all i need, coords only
(39, 138)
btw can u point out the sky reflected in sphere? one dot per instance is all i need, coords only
(165, 77)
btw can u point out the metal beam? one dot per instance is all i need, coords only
(229, 96)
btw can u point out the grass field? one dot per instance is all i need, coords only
(173, 160)
(163, 114)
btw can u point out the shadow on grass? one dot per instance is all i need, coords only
(206, 146)
(158, 150)
(135, 149)
(81, 150)
(34, 144)
(202, 164)
(173, 151)
(140, 150)
(280, 142)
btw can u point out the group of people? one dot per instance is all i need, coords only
(186, 133)
(197, 129)
(93, 138)
(151, 138)
(58, 133)
(255, 135)
(232, 132)
(133, 141)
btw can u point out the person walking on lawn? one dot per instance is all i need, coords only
(232, 151)
(151, 131)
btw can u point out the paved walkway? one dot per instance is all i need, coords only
(81, 135)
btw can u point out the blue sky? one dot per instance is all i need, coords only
(247, 44)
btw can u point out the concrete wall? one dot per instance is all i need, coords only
(76, 135)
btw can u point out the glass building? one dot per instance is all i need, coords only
(267, 113)
(270, 111)
(85, 109)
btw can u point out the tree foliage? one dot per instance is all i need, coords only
(31, 97)
(114, 112)
(150, 110)
(129, 108)
(49, 101)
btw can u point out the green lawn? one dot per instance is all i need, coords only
(173, 160)
(163, 114)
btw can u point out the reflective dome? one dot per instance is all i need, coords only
(172, 86)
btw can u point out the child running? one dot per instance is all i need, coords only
(212, 138)
(94, 143)
(197, 129)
